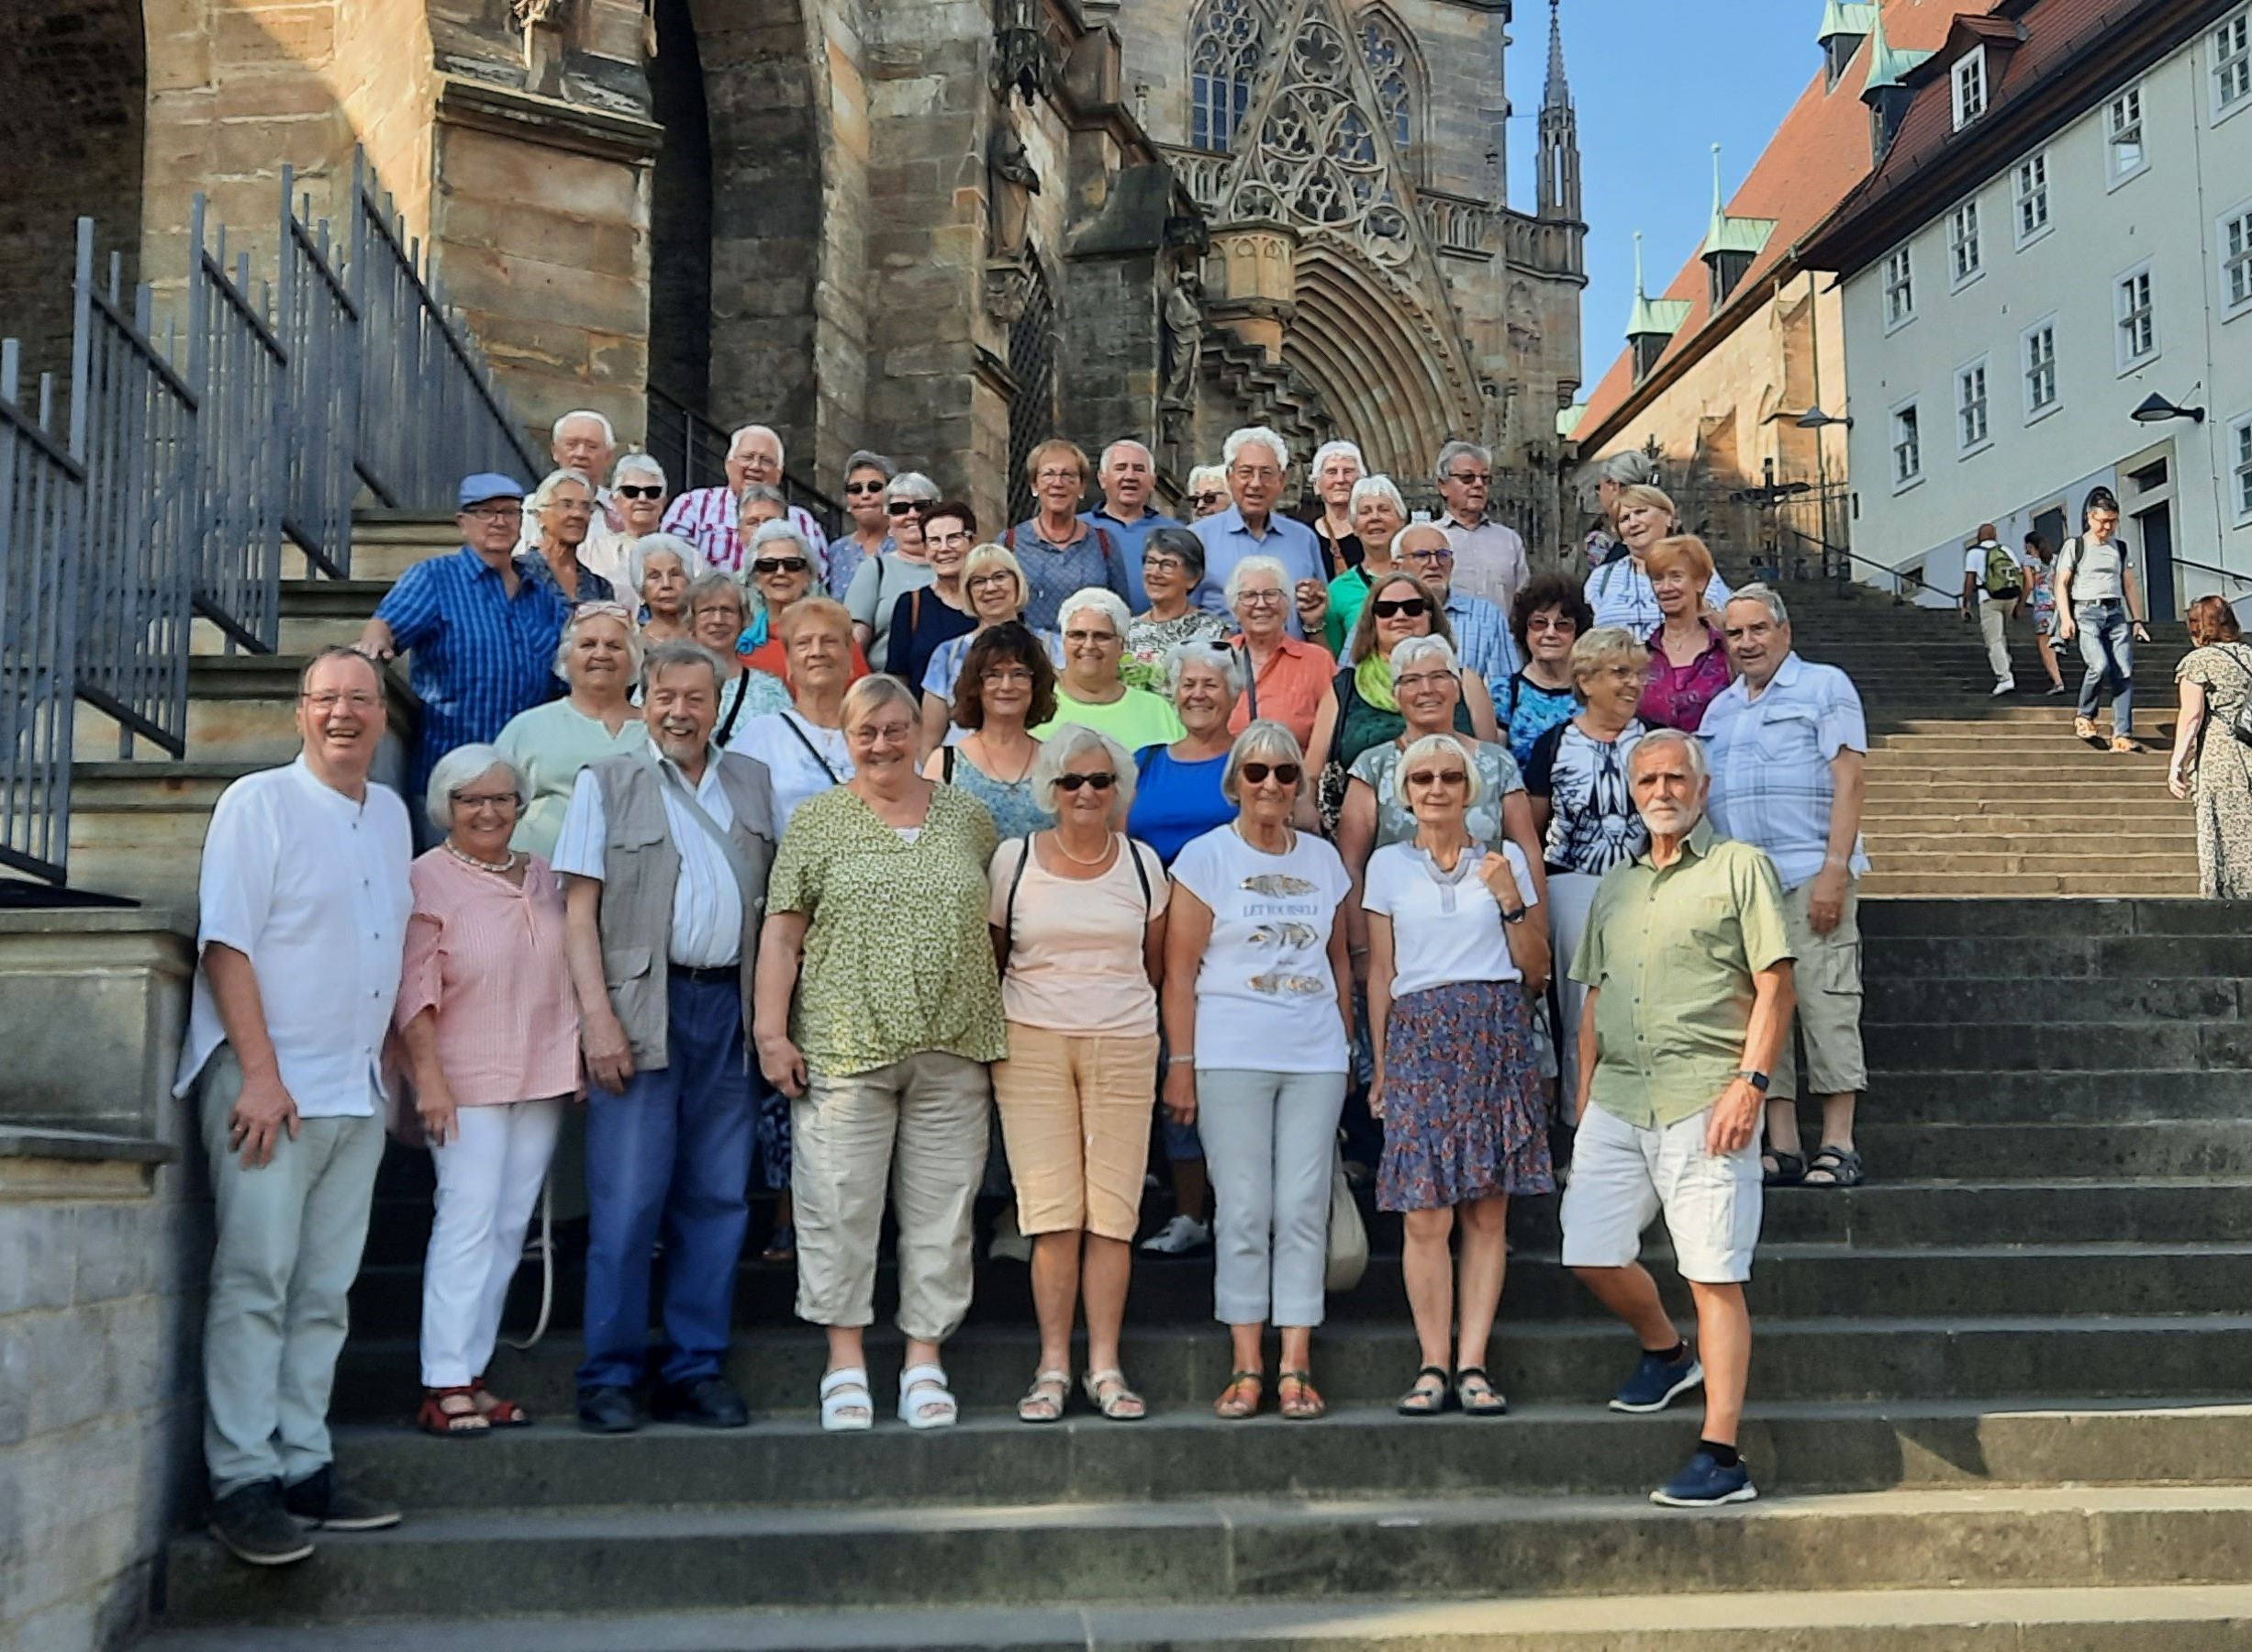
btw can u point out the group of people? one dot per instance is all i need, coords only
(1203, 828)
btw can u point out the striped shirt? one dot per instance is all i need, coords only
(1620, 594)
(488, 958)
(480, 655)
(1489, 560)
(705, 517)
(1770, 760)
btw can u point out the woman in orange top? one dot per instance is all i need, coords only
(1289, 679)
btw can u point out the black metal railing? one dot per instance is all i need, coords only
(692, 447)
(43, 503)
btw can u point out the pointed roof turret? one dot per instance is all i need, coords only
(1847, 19)
(1559, 92)
(1887, 69)
(1653, 318)
(1733, 234)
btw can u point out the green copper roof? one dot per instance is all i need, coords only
(1887, 68)
(1662, 317)
(1568, 419)
(1845, 17)
(1732, 234)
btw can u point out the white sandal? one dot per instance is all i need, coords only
(844, 1392)
(924, 1399)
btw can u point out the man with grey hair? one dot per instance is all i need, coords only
(706, 517)
(1257, 463)
(1489, 557)
(1688, 968)
(1127, 475)
(586, 441)
(1788, 748)
(664, 855)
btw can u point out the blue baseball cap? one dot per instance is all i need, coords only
(488, 484)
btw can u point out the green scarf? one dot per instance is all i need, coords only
(1373, 678)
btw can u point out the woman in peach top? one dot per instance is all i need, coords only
(491, 1026)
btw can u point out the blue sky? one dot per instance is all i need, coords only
(1657, 84)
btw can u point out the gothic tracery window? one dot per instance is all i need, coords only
(1392, 69)
(1225, 44)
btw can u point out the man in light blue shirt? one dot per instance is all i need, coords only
(1127, 474)
(1257, 462)
(1482, 640)
(1788, 746)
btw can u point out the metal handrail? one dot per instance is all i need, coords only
(2242, 579)
(696, 456)
(1851, 555)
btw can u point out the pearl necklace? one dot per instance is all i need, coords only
(501, 869)
(1062, 849)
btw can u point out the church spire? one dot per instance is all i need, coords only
(1559, 158)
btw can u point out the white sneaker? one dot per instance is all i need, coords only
(2007, 686)
(1178, 1237)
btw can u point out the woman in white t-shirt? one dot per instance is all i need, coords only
(1457, 950)
(1258, 1014)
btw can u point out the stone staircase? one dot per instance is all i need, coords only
(1997, 1395)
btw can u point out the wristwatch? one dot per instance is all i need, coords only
(1514, 915)
(1752, 1076)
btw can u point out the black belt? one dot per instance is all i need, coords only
(703, 976)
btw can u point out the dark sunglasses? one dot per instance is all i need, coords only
(779, 564)
(1414, 608)
(1256, 773)
(908, 506)
(865, 487)
(1439, 777)
(1206, 498)
(1071, 782)
(628, 490)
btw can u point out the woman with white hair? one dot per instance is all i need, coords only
(600, 657)
(718, 611)
(638, 495)
(1208, 491)
(880, 581)
(1288, 679)
(1458, 953)
(1078, 919)
(1258, 1014)
(563, 507)
(1091, 693)
(491, 1025)
(1337, 469)
(781, 567)
(659, 569)
(1379, 513)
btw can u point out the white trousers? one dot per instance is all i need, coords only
(488, 1179)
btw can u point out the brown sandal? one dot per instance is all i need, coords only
(1308, 1404)
(496, 1412)
(1234, 1403)
(435, 1419)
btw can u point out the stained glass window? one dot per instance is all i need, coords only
(1225, 44)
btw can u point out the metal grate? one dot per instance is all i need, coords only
(41, 501)
(1032, 409)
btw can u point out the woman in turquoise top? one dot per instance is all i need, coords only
(1006, 685)
(1549, 615)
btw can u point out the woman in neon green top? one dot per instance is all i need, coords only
(1091, 692)
(1378, 515)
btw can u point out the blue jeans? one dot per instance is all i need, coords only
(673, 1154)
(2107, 646)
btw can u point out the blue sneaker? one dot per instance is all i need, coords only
(1657, 1383)
(1704, 1484)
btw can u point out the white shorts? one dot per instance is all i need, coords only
(1623, 1175)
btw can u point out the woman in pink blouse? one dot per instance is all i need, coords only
(1689, 665)
(491, 1027)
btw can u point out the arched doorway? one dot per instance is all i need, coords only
(74, 101)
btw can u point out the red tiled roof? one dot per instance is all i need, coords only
(1816, 157)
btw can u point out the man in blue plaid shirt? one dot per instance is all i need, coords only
(1482, 640)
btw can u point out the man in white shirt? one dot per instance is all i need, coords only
(1489, 557)
(305, 902)
(1993, 611)
(665, 854)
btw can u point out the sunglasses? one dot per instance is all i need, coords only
(779, 564)
(1071, 782)
(1287, 773)
(1439, 777)
(1206, 498)
(628, 490)
(1413, 608)
(908, 506)
(865, 487)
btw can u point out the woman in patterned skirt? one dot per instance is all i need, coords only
(1458, 951)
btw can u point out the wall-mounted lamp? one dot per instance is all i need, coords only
(2156, 410)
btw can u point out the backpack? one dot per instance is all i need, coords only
(2002, 582)
(1133, 853)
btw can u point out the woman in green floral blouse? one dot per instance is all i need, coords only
(881, 1041)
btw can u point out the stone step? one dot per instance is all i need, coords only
(2058, 920)
(2169, 863)
(2153, 1618)
(1980, 885)
(385, 544)
(1923, 1095)
(1899, 806)
(2102, 1355)
(1233, 1550)
(2052, 957)
(2044, 999)
(2027, 1046)
(1969, 851)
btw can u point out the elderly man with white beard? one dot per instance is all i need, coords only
(1687, 963)
(665, 854)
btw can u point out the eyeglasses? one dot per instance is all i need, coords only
(1412, 607)
(628, 490)
(1420, 679)
(866, 487)
(908, 506)
(1285, 773)
(1551, 622)
(1258, 598)
(602, 610)
(779, 564)
(487, 800)
(1431, 554)
(358, 699)
(1206, 498)
(1071, 782)
(1007, 677)
(1046, 476)
(1439, 777)
(1470, 478)
(1164, 565)
(496, 513)
(987, 582)
(1090, 636)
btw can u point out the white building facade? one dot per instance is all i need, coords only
(2060, 230)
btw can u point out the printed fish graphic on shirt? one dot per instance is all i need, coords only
(1279, 983)
(1276, 884)
(1283, 934)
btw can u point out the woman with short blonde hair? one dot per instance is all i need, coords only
(1619, 591)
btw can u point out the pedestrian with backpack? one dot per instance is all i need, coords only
(1992, 584)
(2098, 607)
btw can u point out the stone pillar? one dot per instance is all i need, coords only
(1256, 285)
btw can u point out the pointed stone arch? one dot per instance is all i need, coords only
(1400, 79)
(1384, 372)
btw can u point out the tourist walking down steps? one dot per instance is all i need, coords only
(2212, 761)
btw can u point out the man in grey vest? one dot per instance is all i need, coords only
(665, 854)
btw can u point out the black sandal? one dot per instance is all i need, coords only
(1789, 1170)
(1421, 1401)
(1469, 1381)
(1841, 1164)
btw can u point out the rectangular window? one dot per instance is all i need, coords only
(1969, 87)
(2240, 448)
(2122, 136)
(2232, 64)
(2235, 240)
(1972, 426)
(2137, 317)
(1907, 447)
(2032, 197)
(2040, 346)
(1899, 289)
(1962, 243)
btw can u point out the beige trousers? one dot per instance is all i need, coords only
(1827, 975)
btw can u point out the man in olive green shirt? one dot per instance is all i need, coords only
(1686, 964)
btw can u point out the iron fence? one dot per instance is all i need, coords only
(693, 451)
(188, 457)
